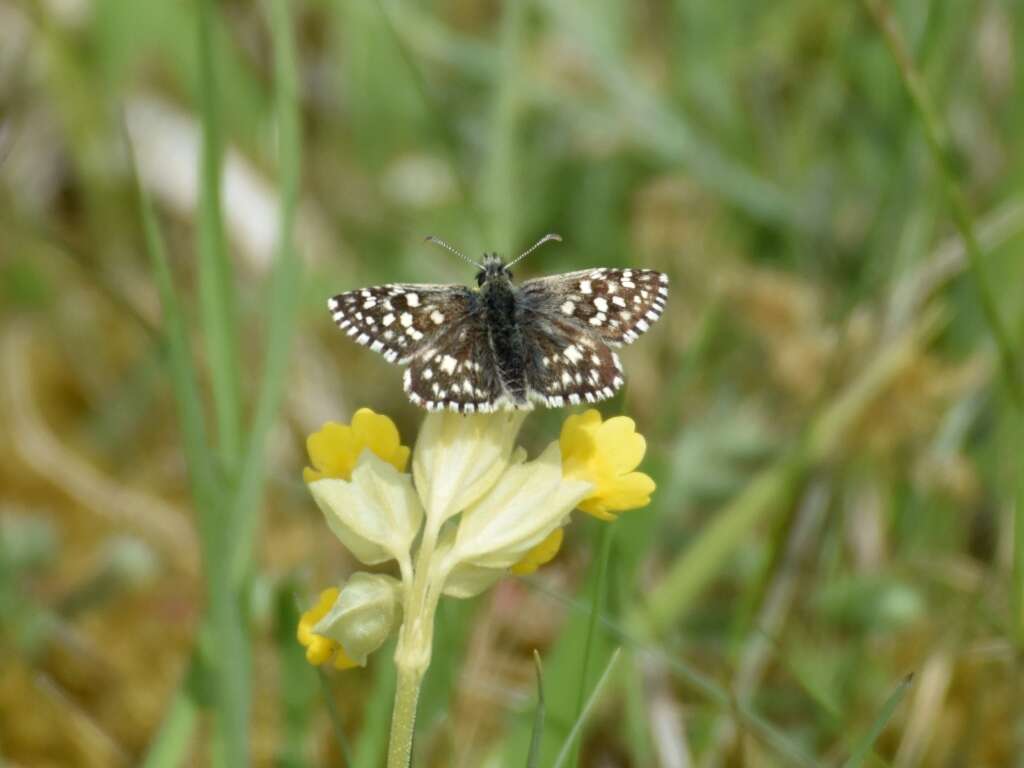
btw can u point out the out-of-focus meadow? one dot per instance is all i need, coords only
(828, 401)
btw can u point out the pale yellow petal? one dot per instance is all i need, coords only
(376, 514)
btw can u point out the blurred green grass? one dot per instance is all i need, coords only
(837, 458)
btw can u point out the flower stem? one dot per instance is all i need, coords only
(412, 655)
(403, 716)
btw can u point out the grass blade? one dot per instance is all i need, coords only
(500, 180)
(863, 748)
(216, 290)
(285, 281)
(596, 603)
(595, 695)
(372, 743)
(298, 697)
(171, 745)
(183, 374)
(337, 727)
(224, 631)
(537, 737)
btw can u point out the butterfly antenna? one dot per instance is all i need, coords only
(460, 254)
(534, 247)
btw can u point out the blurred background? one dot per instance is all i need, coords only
(836, 444)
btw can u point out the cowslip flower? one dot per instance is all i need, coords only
(473, 509)
(606, 454)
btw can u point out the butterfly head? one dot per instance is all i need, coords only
(493, 269)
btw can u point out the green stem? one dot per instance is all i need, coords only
(403, 716)
(596, 603)
(415, 639)
(216, 292)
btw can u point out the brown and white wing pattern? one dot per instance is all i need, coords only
(568, 364)
(617, 304)
(401, 320)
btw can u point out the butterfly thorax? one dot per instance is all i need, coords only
(497, 295)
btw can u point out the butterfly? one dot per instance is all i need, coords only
(501, 346)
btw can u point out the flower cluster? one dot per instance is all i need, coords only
(472, 509)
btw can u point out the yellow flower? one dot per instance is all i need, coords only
(540, 555)
(321, 649)
(333, 450)
(605, 454)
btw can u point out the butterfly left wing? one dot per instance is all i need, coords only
(400, 320)
(616, 304)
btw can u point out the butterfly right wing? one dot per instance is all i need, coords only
(400, 320)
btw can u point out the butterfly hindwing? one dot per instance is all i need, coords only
(617, 304)
(568, 365)
(456, 372)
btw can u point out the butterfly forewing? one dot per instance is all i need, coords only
(400, 320)
(617, 304)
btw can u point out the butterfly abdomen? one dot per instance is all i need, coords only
(499, 301)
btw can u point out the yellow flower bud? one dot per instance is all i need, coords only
(321, 649)
(363, 615)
